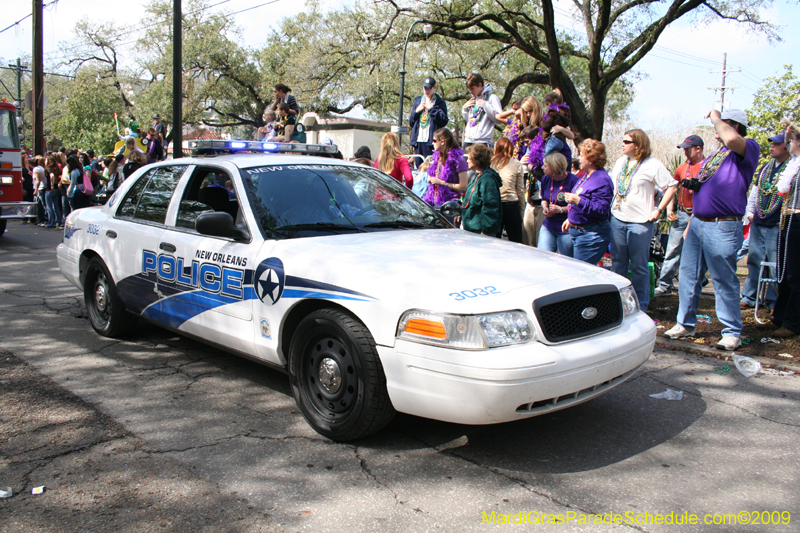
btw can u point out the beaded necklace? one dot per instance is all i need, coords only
(712, 163)
(423, 120)
(624, 181)
(552, 189)
(436, 185)
(576, 189)
(786, 222)
(476, 112)
(768, 199)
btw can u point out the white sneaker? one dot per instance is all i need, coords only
(679, 331)
(729, 343)
(661, 291)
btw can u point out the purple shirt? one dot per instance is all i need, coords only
(725, 192)
(595, 203)
(550, 189)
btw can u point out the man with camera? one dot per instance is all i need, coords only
(764, 212)
(714, 234)
(693, 150)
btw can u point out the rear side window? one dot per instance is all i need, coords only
(150, 196)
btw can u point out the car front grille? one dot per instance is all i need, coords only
(564, 315)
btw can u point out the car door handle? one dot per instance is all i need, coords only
(167, 247)
(111, 234)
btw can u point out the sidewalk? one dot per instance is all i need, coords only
(98, 477)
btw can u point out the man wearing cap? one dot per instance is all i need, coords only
(764, 213)
(160, 133)
(692, 148)
(428, 114)
(714, 234)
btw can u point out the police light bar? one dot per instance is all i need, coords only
(229, 147)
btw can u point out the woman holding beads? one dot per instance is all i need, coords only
(636, 177)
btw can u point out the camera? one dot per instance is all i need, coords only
(692, 184)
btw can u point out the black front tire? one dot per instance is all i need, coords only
(103, 304)
(3, 223)
(337, 377)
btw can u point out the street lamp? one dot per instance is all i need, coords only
(428, 29)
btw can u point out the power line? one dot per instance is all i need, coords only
(27, 16)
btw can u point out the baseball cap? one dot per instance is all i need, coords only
(736, 115)
(691, 140)
(778, 139)
(429, 82)
(157, 116)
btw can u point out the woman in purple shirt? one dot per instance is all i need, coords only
(556, 182)
(590, 205)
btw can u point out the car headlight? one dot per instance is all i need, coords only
(630, 304)
(466, 332)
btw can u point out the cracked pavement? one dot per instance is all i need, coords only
(728, 446)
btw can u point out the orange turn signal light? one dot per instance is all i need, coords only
(6, 164)
(426, 328)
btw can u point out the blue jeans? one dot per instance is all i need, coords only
(66, 208)
(672, 257)
(52, 202)
(763, 247)
(630, 250)
(590, 244)
(711, 245)
(552, 242)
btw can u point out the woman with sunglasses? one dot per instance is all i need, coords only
(636, 177)
(447, 175)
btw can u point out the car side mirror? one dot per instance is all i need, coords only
(220, 224)
(450, 209)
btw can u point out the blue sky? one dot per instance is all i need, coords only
(676, 74)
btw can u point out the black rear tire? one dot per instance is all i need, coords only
(3, 223)
(337, 377)
(103, 304)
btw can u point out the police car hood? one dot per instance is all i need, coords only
(442, 270)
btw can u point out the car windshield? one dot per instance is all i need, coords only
(293, 201)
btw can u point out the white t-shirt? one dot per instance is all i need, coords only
(424, 132)
(637, 206)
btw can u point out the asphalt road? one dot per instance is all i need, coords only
(728, 447)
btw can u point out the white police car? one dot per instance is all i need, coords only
(338, 274)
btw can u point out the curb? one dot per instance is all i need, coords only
(690, 347)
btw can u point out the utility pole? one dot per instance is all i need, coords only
(20, 69)
(37, 97)
(722, 88)
(177, 82)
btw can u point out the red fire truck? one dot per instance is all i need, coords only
(11, 195)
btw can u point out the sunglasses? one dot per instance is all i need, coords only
(438, 140)
(626, 141)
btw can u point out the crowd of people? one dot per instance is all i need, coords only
(526, 186)
(68, 179)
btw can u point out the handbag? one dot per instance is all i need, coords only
(88, 189)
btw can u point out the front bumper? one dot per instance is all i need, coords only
(515, 382)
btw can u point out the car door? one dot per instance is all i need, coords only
(133, 236)
(206, 293)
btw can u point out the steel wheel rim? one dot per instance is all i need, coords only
(329, 376)
(100, 302)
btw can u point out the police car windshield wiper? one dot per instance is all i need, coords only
(318, 226)
(397, 224)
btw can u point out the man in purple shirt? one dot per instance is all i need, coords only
(715, 229)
